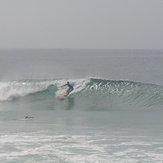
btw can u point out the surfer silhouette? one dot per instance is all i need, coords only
(70, 88)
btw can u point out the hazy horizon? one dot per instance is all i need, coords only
(93, 24)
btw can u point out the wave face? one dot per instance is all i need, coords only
(89, 94)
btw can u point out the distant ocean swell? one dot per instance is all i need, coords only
(88, 93)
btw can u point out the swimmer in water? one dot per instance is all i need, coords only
(27, 117)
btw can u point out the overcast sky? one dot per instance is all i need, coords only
(81, 24)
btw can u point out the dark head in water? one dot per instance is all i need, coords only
(28, 117)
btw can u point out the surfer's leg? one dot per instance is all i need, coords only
(69, 90)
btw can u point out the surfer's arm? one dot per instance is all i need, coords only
(63, 85)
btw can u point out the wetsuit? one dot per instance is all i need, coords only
(70, 88)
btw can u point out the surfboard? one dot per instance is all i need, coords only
(62, 95)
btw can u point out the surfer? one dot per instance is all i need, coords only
(70, 88)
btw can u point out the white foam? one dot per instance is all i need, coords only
(31, 147)
(10, 90)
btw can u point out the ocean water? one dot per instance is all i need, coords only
(114, 114)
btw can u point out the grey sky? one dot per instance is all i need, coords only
(81, 24)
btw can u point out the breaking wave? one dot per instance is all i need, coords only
(88, 93)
